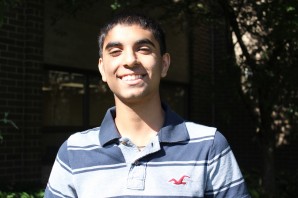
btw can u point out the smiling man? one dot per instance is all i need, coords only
(142, 148)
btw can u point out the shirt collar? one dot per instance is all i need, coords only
(173, 130)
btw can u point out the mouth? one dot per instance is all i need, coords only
(132, 77)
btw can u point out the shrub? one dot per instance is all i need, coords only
(37, 194)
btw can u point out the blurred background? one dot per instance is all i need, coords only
(234, 66)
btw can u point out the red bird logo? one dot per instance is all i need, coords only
(180, 181)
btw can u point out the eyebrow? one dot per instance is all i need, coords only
(112, 44)
(139, 42)
(145, 41)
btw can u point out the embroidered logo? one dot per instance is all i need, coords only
(180, 181)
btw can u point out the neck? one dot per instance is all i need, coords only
(139, 122)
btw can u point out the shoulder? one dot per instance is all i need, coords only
(197, 130)
(208, 133)
(85, 138)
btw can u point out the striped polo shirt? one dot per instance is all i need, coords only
(184, 160)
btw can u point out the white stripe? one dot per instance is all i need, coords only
(225, 188)
(197, 130)
(84, 149)
(53, 192)
(85, 138)
(96, 167)
(201, 140)
(218, 156)
(65, 165)
(178, 162)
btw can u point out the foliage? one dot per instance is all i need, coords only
(5, 120)
(70, 7)
(37, 194)
(286, 184)
(265, 39)
(266, 48)
(5, 5)
(252, 180)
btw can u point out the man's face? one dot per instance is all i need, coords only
(131, 63)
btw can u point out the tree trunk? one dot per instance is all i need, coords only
(268, 177)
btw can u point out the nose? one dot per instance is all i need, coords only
(130, 58)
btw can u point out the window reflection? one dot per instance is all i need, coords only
(74, 99)
(62, 98)
(66, 95)
(176, 96)
(101, 98)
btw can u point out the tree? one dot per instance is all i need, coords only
(266, 52)
(265, 40)
(265, 49)
(265, 35)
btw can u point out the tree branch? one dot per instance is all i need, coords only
(232, 18)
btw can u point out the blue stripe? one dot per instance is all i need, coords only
(90, 169)
(63, 166)
(235, 191)
(220, 156)
(196, 151)
(225, 186)
(97, 157)
(220, 144)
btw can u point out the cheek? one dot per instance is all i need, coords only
(150, 62)
(156, 68)
(110, 67)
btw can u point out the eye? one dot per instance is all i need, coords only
(144, 50)
(115, 52)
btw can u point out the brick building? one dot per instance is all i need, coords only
(21, 63)
(50, 86)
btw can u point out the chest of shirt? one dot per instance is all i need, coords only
(143, 179)
(123, 170)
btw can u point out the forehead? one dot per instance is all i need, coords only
(128, 33)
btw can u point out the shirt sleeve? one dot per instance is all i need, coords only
(60, 182)
(224, 178)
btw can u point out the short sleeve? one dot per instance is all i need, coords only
(60, 181)
(224, 178)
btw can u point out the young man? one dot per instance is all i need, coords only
(142, 148)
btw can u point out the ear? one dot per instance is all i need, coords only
(101, 70)
(166, 60)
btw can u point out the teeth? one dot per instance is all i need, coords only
(131, 77)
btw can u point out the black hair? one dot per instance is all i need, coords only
(128, 18)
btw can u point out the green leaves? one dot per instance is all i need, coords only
(6, 121)
(290, 9)
(5, 5)
(38, 194)
(115, 5)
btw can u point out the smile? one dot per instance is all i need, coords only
(131, 77)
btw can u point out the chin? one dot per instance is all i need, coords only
(132, 99)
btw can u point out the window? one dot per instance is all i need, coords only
(74, 99)
(78, 99)
(176, 96)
